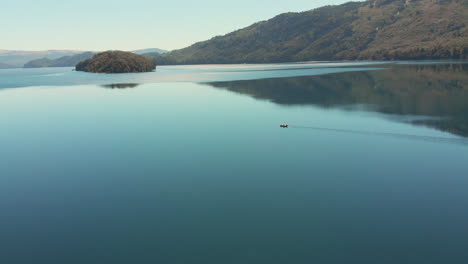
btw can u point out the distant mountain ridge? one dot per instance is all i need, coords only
(52, 58)
(5, 66)
(17, 58)
(66, 61)
(370, 30)
(151, 50)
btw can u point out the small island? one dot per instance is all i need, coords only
(116, 62)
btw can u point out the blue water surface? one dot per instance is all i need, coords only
(173, 167)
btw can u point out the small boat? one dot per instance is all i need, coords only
(284, 125)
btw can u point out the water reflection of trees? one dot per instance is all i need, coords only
(120, 85)
(439, 90)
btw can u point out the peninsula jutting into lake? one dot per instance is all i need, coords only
(116, 62)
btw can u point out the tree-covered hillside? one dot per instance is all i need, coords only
(116, 62)
(375, 29)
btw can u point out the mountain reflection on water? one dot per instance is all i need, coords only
(438, 93)
(120, 85)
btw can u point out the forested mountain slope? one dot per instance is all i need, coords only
(376, 29)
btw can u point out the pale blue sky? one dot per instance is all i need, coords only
(131, 24)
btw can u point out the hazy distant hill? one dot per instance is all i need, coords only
(70, 61)
(17, 58)
(152, 50)
(66, 61)
(376, 29)
(6, 66)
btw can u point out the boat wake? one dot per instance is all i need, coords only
(454, 140)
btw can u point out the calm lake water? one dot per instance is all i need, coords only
(188, 164)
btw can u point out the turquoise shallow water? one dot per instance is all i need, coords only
(192, 167)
